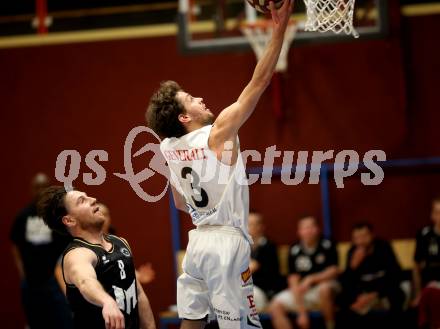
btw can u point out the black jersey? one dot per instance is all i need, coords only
(428, 254)
(305, 261)
(378, 272)
(267, 277)
(116, 273)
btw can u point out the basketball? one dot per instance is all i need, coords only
(263, 5)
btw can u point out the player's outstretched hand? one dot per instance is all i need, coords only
(113, 317)
(145, 273)
(280, 17)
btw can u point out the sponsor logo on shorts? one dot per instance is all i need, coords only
(246, 275)
(250, 299)
(252, 323)
(223, 315)
(252, 307)
(303, 264)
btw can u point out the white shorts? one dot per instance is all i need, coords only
(260, 299)
(311, 297)
(216, 280)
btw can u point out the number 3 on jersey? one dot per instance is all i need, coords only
(198, 192)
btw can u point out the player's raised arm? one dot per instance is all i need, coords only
(230, 120)
(79, 271)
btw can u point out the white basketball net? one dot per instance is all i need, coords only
(330, 15)
(259, 36)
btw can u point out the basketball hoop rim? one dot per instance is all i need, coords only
(258, 34)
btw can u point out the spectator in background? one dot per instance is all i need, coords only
(313, 268)
(264, 262)
(427, 270)
(372, 277)
(35, 250)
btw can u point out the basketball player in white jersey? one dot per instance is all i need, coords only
(208, 178)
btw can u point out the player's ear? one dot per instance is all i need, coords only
(184, 118)
(68, 220)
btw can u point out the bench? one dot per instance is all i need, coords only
(403, 248)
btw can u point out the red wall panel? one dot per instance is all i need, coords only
(361, 96)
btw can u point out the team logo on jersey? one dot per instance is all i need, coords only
(295, 250)
(126, 299)
(433, 247)
(303, 264)
(326, 244)
(125, 252)
(105, 260)
(246, 275)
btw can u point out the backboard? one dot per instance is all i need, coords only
(214, 25)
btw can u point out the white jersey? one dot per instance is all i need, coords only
(215, 193)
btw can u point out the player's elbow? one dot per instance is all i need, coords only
(183, 208)
(180, 205)
(82, 285)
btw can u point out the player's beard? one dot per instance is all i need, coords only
(95, 225)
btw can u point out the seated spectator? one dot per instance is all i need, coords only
(264, 263)
(372, 277)
(427, 270)
(313, 268)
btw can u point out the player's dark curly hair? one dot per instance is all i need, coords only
(163, 111)
(51, 207)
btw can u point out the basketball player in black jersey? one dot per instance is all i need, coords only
(98, 269)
